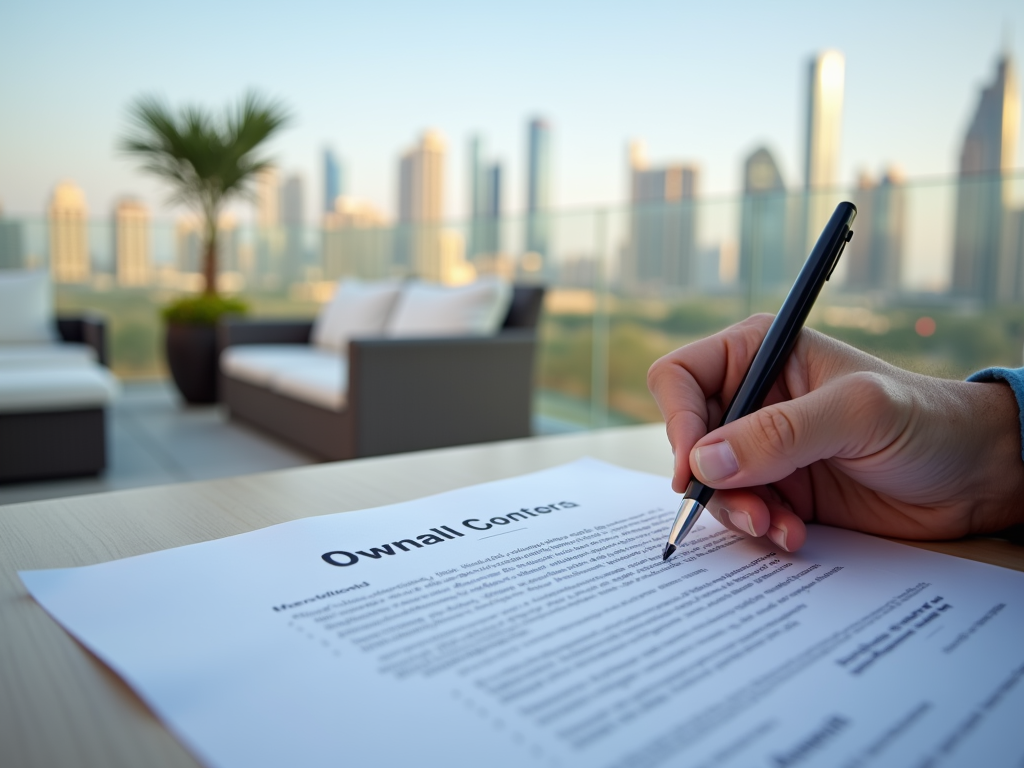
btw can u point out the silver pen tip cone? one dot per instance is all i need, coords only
(669, 549)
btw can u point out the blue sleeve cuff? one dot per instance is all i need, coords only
(1015, 378)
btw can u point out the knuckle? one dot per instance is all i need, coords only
(775, 430)
(869, 392)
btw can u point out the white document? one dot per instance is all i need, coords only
(532, 621)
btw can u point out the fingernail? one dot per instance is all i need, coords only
(743, 521)
(778, 536)
(716, 461)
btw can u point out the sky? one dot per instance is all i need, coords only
(698, 82)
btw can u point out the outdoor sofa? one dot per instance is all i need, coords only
(388, 385)
(54, 385)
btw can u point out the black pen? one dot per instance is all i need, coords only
(772, 354)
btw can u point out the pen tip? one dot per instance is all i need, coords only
(669, 549)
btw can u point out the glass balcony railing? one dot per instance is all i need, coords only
(933, 280)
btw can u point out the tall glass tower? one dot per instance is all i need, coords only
(985, 262)
(476, 189)
(421, 184)
(826, 78)
(538, 186)
(332, 180)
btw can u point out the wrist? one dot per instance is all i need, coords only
(997, 419)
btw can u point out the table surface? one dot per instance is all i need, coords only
(59, 706)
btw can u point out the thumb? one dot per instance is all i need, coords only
(850, 417)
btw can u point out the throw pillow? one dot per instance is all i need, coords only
(358, 310)
(26, 307)
(427, 309)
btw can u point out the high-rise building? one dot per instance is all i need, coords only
(132, 254)
(421, 180)
(763, 224)
(476, 195)
(538, 187)
(874, 258)
(269, 245)
(984, 259)
(292, 211)
(493, 209)
(292, 207)
(333, 180)
(663, 223)
(267, 199)
(69, 238)
(484, 184)
(420, 200)
(823, 123)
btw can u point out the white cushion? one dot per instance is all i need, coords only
(427, 309)
(259, 363)
(56, 389)
(26, 307)
(300, 371)
(323, 382)
(358, 310)
(46, 355)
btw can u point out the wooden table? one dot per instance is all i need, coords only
(59, 706)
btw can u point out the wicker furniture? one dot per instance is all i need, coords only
(391, 395)
(52, 404)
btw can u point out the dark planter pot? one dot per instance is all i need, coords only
(192, 358)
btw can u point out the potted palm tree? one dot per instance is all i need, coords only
(207, 161)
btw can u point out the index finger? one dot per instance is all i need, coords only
(684, 381)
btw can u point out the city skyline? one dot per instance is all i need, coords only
(907, 96)
(667, 243)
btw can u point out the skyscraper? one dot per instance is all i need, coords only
(491, 209)
(823, 123)
(663, 223)
(476, 195)
(763, 224)
(538, 187)
(984, 260)
(69, 240)
(269, 242)
(421, 180)
(420, 200)
(874, 258)
(267, 199)
(333, 186)
(293, 209)
(132, 259)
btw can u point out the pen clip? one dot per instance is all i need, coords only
(835, 261)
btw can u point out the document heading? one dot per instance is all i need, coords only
(440, 534)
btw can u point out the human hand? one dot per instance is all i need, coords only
(844, 439)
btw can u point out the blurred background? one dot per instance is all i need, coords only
(662, 168)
